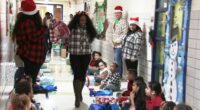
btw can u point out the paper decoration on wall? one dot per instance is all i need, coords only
(100, 11)
(176, 51)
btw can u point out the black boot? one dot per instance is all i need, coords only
(77, 89)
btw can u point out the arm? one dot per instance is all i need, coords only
(106, 80)
(104, 74)
(132, 96)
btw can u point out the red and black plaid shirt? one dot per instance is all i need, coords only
(30, 41)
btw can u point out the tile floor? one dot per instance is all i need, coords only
(63, 98)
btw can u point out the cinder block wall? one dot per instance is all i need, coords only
(193, 58)
(132, 8)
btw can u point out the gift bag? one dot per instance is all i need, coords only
(100, 93)
(104, 107)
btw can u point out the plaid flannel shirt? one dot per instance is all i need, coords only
(78, 43)
(30, 41)
(131, 46)
(113, 79)
(53, 38)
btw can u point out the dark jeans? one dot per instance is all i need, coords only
(131, 64)
(79, 65)
(32, 69)
(118, 60)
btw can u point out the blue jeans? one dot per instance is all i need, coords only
(118, 59)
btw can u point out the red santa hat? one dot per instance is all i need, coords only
(134, 21)
(28, 7)
(118, 9)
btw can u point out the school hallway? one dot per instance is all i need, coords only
(169, 53)
(62, 99)
(57, 68)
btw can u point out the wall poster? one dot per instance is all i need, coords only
(11, 11)
(100, 15)
(175, 50)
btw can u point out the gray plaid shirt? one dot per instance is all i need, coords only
(131, 46)
(112, 78)
(79, 42)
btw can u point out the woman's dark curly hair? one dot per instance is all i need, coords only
(21, 17)
(74, 24)
(137, 29)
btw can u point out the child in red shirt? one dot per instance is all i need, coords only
(131, 75)
(93, 66)
(154, 96)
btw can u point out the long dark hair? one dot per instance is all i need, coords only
(137, 29)
(155, 86)
(167, 106)
(140, 97)
(21, 17)
(74, 23)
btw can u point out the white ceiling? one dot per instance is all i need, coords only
(53, 0)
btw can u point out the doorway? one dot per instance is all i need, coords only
(55, 9)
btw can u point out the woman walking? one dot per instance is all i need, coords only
(29, 35)
(79, 46)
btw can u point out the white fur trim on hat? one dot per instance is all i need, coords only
(118, 11)
(30, 12)
(134, 22)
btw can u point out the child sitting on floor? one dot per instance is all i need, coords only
(24, 87)
(154, 96)
(182, 107)
(131, 75)
(21, 102)
(169, 105)
(103, 72)
(93, 66)
(112, 82)
(137, 96)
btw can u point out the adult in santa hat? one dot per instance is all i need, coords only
(132, 45)
(119, 31)
(29, 36)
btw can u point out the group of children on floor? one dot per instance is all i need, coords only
(138, 95)
(106, 78)
(22, 98)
